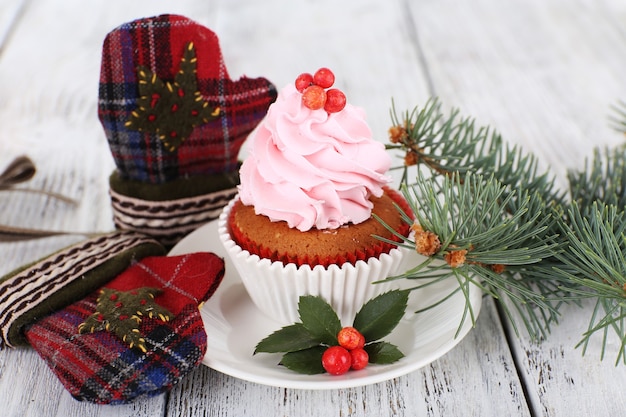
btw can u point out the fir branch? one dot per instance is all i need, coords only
(596, 251)
(474, 214)
(603, 179)
(618, 119)
(511, 231)
(455, 145)
(525, 208)
(496, 247)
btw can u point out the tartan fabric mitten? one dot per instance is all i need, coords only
(175, 122)
(45, 286)
(137, 336)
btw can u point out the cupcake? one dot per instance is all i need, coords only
(302, 222)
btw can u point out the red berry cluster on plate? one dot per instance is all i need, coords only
(316, 91)
(338, 360)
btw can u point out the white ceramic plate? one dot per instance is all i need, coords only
(234, 326)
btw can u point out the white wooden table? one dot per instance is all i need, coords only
(542, 72)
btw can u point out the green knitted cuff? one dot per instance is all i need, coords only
(169, 211)
(175, 189)
(43, 287)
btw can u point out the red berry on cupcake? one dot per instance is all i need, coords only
(335, 100)
(303, 81)
(324, 78)
(314, 97)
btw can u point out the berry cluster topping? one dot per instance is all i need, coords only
(316, 91)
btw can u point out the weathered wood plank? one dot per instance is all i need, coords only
(368, 45)
(563, 381)
(10, 14)
(544, 74)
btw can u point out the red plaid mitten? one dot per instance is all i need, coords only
(137, 336)
(175, 122)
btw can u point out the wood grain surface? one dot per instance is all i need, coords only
(543, 73)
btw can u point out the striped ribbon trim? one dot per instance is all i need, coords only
(21, 293)
(171, 220)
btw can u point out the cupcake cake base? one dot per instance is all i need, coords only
(350, 243)
(275, 286)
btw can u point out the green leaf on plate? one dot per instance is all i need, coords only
(308, 361)
(319, 318)
(288, 339)
(383, 353)
(379, 316)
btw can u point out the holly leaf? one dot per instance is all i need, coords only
(379, 316)
(288, 339)
(319, 318)
(383, 353)
(307, 361)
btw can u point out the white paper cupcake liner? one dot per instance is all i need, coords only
(275, 287)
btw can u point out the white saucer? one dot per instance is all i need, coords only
(234, 326)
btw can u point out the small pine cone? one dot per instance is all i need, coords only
(411, 158)
(397, 134)
(426, 243)
(498, 268)
(455, 258)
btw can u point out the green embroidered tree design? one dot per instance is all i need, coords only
(120, 312)
(171, 110)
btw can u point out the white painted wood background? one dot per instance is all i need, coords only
(542, 72)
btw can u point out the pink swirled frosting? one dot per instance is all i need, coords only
(313, 169)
